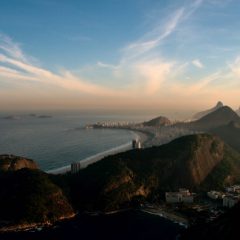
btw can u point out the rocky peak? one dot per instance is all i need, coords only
(219, 104)
(14, 163)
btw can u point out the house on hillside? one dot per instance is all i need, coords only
(183, 195)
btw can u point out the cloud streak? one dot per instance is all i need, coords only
(142, 73)
(152, 39)
(197, 63)
(141, 59)
(20, 68)
(11, 48)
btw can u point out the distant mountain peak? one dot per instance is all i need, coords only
(206, 112)
(238, 111)
(219, 117)
(219, 104)
(158, 121)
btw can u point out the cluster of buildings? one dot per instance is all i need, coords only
(111, 124)
(215, 195)
(229, 198)
(182, 196)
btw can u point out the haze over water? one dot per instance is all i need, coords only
(58, 141)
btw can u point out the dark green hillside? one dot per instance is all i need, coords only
(230, 133)
(28, 196)
(188, 162)
(198, 162)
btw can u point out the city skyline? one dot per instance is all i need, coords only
(144, 55)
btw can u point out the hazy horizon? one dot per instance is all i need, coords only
(172, 58)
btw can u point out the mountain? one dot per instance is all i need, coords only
(220, 117)
(230, 133)
(224, 122)
(158, 122)
(28, 197)
(238, 111)
(14, 163)
(198, 162)
(225, 227)
(204, 113)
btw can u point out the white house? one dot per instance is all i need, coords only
(183, 195)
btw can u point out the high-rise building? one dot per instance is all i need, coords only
(75, 167)
(136, 144)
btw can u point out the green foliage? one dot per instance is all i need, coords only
(230, 134)
(29, 196)
(121, 180)
(229, 167)
(216, 179)
(117, 180)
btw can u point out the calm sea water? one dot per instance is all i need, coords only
(57, 141)
(121, 226)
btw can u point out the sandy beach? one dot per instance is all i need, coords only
(95, 158)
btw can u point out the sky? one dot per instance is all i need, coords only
(133, 55)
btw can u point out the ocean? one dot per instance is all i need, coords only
(57, 141)
(132, 224)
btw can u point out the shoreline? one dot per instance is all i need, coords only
(99, 156)
(171, 216)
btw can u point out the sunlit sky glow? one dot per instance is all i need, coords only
(119, 54)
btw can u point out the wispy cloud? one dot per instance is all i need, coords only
(142, 62)
(142, 71)
(154, 73)
(197, 63)
(235, 67)
(136, 63)
(152, 39)
(106, 65)
(18, 67)
(11, 48)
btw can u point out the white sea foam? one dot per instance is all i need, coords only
(95, 158)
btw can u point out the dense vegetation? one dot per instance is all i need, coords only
(198, 162)
(230, 133)
(28, 196)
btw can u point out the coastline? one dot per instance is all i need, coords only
(99, 156)
(171, 216)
